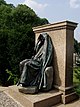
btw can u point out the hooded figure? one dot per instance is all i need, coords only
(33, 70)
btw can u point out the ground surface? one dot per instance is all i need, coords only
(6, 101)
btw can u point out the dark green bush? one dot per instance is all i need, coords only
(77, 79)
(77, 73)
(16, 39)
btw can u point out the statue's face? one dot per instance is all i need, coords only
(41, 39)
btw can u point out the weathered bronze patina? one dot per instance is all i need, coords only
(37, 72)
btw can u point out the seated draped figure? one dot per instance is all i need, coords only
(37, 72)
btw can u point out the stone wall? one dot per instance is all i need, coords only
(62, 34)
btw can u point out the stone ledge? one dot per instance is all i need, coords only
(47, 99)
(3, 88)
(55, 26)
(69, 98)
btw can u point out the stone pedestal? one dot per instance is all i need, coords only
(46, 99)
(62, 34)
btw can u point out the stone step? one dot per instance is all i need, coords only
(3, 88)
(46, 99)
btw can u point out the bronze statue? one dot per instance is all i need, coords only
(37, 72)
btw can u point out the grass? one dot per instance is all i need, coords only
(76, 75)
(76, 79)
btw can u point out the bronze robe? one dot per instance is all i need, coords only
(33, 71)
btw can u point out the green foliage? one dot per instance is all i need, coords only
(77, 73)
(16, 38)
(2, 2)
(13, 78)
(76, 47)
(77, 89)
(76, 79)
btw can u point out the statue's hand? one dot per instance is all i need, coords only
(24, 61)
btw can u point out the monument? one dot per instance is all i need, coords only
(37, 72)
(61, 37)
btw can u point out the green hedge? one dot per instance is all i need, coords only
(16, 38)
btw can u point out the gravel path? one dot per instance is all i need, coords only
(6, 101)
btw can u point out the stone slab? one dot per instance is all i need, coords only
(36, 100)
(3, 88)
(70, 97)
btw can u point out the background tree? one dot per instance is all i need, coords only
(16, 38)
(2, 2)
(76, 47)
(4, 31)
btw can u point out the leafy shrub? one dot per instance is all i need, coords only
(17, 39)
(13, 78)
(77, 73)
(77, 79)
(77, 89)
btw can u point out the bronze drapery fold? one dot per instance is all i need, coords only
(33, 72)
